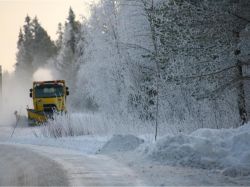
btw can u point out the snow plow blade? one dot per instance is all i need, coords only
(35, 117)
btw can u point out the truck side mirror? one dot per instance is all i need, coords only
(67, 90)
(31, 90)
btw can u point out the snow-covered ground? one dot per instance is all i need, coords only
(204, 157)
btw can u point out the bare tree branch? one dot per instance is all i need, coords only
(212, 73)
(135, 46)
(239, 17)
(232, 84)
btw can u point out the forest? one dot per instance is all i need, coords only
(177, 64)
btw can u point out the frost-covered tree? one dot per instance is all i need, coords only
(171, 63)
(193, 49)
(66, 62)
(97, 82)
(106, 79)
(172, 60)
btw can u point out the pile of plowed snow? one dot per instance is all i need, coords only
(227, 149)
(121, 143)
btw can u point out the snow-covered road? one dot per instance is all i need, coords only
(40, 165)
(207, 157)
(20, 166)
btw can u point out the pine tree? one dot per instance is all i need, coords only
(59, 36)
(73, 30)
(20, 38)
(24, 66)
(19, 54)
(66, 62)
(42, 46)
(34, 46)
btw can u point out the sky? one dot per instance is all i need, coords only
(49, 13)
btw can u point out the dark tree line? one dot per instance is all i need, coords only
(34, 48)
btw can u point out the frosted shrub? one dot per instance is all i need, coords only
(79, 124)
(63, 125)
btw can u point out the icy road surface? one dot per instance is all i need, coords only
(40, 165)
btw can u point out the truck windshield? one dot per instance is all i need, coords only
(45, 91)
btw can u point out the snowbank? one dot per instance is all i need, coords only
(227, 149)
(120, 143)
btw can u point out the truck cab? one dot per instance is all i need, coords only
(48, 97)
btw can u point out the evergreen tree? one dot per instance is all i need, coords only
(59, 36)
(67, 63)
(24, 66)
(19, 55)
(34, 48)
(20, 38)
(42, 46)
(73, 27)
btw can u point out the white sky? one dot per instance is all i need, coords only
(49, 13)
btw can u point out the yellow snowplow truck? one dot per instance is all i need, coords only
(48, 97)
